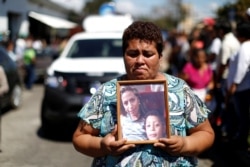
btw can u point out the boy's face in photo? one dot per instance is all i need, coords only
(154, 127)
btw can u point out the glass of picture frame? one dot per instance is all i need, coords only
(142, 111)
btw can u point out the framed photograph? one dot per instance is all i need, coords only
(142, 111)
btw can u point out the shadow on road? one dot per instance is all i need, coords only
(224, 153)
(5, 110)
(54, 137)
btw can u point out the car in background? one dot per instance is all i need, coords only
(13, 98)
(89, 59)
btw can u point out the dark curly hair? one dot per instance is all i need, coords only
(243, 30)
(143, 30)
(129, 88)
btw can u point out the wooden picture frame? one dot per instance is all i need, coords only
(150, 99)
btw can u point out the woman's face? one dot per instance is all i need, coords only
(200, 59)
(130, 103)
(154, 127)
(142, 60)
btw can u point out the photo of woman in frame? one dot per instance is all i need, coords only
(132, 114)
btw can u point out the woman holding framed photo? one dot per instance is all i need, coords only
(191, 132)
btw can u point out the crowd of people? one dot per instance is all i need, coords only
(214, 63)
(25, 51)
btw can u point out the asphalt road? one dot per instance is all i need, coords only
(23, 146)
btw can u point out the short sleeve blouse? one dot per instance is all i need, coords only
(186, 111)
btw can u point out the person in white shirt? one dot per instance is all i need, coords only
(214, 48)
(9, 45)
(248, 13)
(229, 47)
(238, 91)
(20, 47)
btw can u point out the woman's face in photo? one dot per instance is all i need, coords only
(131, 104)
(154, 127)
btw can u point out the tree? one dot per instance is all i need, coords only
(235, 11)
(173, 9)
(93, 6)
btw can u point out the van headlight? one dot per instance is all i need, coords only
(55, 82)
(94, 86)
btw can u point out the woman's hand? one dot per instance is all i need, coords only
(86, 140)
(172, 145)
(111, 146)
(199, 139)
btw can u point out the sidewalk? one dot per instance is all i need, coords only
(204, 162)
(224, 154)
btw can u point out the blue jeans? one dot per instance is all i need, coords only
(30, 76)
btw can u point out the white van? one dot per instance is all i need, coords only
(89, 59)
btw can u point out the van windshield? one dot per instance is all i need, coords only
(96, 48)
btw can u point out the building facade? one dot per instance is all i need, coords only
(39, 18)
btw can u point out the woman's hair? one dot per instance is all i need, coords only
(145, 31)
(155, 113)
(243, 30)
(129, 88)
(197, 51)
(195, 54)
(224, 25)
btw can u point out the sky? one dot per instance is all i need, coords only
(206, 8)
(200, 8)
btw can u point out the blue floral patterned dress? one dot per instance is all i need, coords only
(186, 111)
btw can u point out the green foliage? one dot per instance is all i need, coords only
(164, 22)
(92, 6)
(239, 7)
(75, 17)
